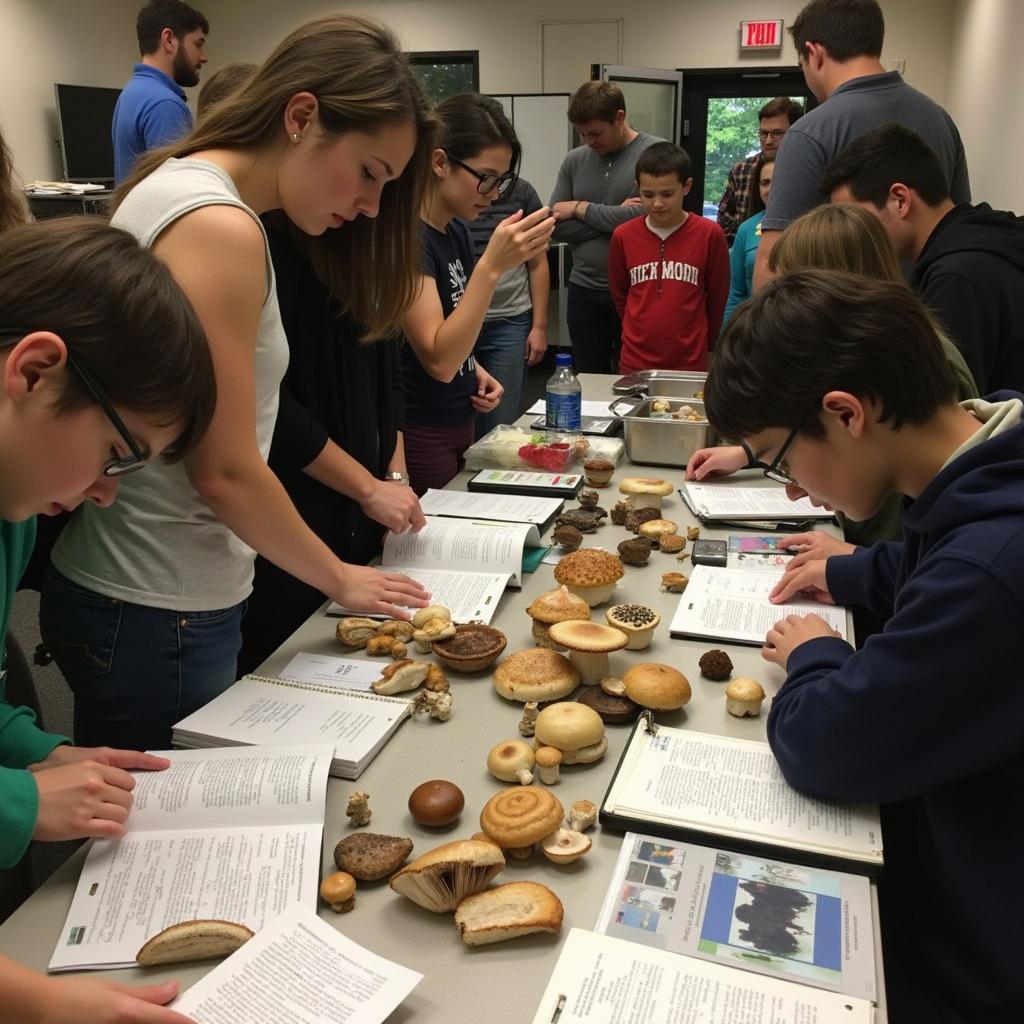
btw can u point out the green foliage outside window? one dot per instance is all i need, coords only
(439, 81)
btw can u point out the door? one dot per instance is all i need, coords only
(720, 123)
(654, 98)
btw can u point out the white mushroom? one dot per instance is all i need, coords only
(400, 676)
(565, 846)
(548, 759)
(511, 761)
(433, 611)
(433, 630)
(582, 815)
(435, 703)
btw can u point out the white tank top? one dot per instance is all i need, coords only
(159, 544)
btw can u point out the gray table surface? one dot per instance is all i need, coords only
(463, 984)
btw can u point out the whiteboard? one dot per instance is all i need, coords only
(544, 131)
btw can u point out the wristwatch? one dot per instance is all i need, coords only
(395, 477)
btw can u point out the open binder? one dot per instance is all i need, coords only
(719, 791)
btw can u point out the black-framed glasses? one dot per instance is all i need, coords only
(115, 467)
(486, 182)
(771, 133)
(772, 470)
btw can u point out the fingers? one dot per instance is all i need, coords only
(417, 519)
(513, 218)
(792, 583)
(798, 540)
(101, 828)
(117, 778)
(128, 759)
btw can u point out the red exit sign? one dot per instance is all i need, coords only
(761, 35)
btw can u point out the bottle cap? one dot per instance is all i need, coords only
(563, 359)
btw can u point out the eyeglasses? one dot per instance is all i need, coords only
(115, 467)
(488, 182)
(770, 133)
(772, 471)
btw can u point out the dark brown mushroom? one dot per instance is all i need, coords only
(635, 551)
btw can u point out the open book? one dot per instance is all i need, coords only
(479, 558)
(258, 710)
(602, 980)
(806, 925)
(232, 834)
(732, 605)
(301, 970)
(711, 501)
(712, 790)
(502, 508)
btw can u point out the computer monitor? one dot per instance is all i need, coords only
(84, 116)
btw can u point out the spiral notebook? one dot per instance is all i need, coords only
(729, 501)
(263, 711)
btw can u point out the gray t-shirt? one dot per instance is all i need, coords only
(604, 181)
(855, 108)
(159, 544)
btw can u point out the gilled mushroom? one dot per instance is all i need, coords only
(512, 761)
(400, 629)
(589, 644)
(565, 846)
(582, 815)
(431, 632)
(548, 759)
(339, 891)
(356, 632)
(400, 676)
(443, 877)
(646, 491)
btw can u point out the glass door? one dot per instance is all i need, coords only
(654, 98)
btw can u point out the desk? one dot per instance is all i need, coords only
(44, 206)
(464, 984)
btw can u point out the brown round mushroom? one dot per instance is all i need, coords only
(567, 536)
(436, 803)
(517, 818)
(339, 890)
(657, 686)
(634, 550)
(715, 665)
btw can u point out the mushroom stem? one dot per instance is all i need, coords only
(520, 852)
(591, 665)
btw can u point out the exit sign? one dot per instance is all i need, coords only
(761, 35)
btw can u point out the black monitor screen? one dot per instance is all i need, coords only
(84, 116)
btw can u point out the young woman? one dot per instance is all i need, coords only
(475, 163)
(13, 209)
(743, 254)
(143, 605)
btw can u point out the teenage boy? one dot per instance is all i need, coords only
(668, 271)
(840, 385)
(594, 194)
(838, 44)
(103, 364)
(968, 260)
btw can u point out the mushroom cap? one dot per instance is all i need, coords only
(565, 846)
(657, 686)
(744, 688)
(435, 803)
(589, 637)
(589, 567)
(508, 911)
(558, 605)
(369, 856)
(446, 875)
(631, 618)
(535, 674)
(521, 816)
(505, 759)
(433, 611)
(645, 485)
(338, 887)
(548, 757)
(655, 528)
(569, 726)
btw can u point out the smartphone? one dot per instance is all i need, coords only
(710, 552)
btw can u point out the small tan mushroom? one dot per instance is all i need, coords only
(589, 644)
(565, 846)
(548, 759)
(433, 611)
(672, 543)
(432, 631)
(654, 529)
(527, 724)
(400, 676)
(398, 650)
(436, 704)
(379, 645)
(674, 582)
(356, 632)
(582, 815)
(613, 685)
(511, 761)
(339, 891)
(743, 697)
(399, 629)
(358, 810)
(692, 532)
(436, 679)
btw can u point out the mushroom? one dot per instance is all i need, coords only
(655, 529)
(431, 632)
(398, 650)
(613, 685)
(598, 471)
(443, 877)
(634, 550)
(398, 629)
(674, 582)
(639, 516)
(715, 665)
(573, 728)
(432, 611)
(559, 605)
(436, 704)
(358, 810)
(692, 532)
(511, 761)
(590, 573)
(671, 543)
(743, 697)
(646, 491)
(400, 676)
(637, 621)
(620, 510)
(588, 499)
(548, 759)
(528, 721)
(657, 686)
(535, 674)
(436, 803)
(378, 645)
(436, 680)
(507, 912)
(565, 846)
(589, 644)
(567, 536)
(355, 632)
(517, 818)
(582, 815)
(339, 890)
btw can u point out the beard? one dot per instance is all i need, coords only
(183, 71)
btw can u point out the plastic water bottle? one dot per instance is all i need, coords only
(564, 396)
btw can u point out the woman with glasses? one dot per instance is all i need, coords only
(475, 163)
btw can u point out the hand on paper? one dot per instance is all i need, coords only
(721, 461)
(517, 238)
(805, 580)
(105, 1002)
(488, 391)
(536, 345)
(126, 759)
(813, 545)
(82, 799)
(789, 633)
(385, 593)
(395, 506)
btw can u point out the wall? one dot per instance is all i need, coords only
(986, 84)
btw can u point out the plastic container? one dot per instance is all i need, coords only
(564, 396)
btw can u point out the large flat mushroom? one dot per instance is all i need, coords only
(589, 645)
(645, 491)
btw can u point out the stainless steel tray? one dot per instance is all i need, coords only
(662, 383)
(658, 441)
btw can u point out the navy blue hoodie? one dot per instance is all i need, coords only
(928, 718)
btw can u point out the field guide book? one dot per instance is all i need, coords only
(806, 925)
(710, 789)
(261, 711)
(464, 564)
(232, 834)
(501, 508)
(711, 501)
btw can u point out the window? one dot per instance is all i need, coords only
(445, 73)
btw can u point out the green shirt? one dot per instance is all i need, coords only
(22, 742)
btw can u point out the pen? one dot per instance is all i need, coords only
(559, 1006)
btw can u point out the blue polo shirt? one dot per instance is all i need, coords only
(150, 112)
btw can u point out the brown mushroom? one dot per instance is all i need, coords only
(620, 510)
(436, 803)
(635, 550)
(355, 632)
(400, 676)
(339, 891)
(443, 877)
(517, 818)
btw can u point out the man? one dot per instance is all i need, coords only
(968, 260)
(773, 121)
(594, 194)
(151, 110)
(838, 43)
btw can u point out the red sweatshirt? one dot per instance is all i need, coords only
(670, 294)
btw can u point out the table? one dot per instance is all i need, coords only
(461, 983)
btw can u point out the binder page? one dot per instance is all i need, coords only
(299, 970)
(735, 787)
(327, 671)
(728, 501)
(601, 980)
(508, 508)
(732, 604)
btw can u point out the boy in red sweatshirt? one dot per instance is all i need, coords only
(668, 271)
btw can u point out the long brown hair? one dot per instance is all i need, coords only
(361, 79)
(13, 208)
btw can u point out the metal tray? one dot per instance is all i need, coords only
(662, 383)
(657, 441)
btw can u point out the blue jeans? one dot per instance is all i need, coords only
(135, 671)
(501, 350)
